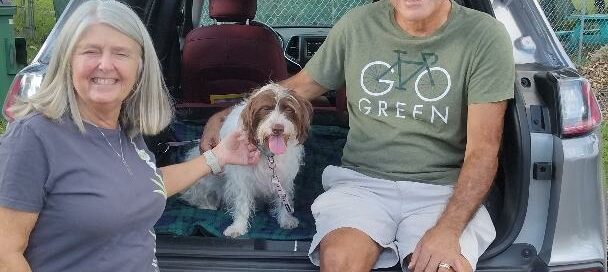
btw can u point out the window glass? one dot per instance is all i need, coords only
(530, 34)
(315, 13)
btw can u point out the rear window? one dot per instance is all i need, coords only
(531, 36)
(298, 13)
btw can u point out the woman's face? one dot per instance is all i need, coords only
(105, 67)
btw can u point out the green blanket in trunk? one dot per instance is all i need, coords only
(323, 147)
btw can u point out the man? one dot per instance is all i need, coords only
(427, 83)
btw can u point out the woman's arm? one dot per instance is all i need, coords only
(180, 176)
(235, 149)
(15, 229)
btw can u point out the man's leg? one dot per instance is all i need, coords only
(355, 223)
(348, 249)
(423, 213)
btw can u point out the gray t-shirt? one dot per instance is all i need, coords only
(93, 214)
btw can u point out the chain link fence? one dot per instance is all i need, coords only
(298, 12)
(582, 27)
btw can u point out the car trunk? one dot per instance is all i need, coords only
(189, 239)
(185, 244)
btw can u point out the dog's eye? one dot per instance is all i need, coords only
(286, 108)
(266, 108)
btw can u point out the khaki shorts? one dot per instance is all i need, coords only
(394, 214)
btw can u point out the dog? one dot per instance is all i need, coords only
(277, 121)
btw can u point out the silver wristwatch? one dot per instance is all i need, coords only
(212, 162)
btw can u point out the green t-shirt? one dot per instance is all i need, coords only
(408, 96)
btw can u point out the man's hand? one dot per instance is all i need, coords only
(211, 131)
(438, 245)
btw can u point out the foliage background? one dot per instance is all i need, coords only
(44, 20)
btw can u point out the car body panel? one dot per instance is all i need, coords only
(533, 229)
(580, 221)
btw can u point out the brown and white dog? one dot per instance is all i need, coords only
(277, 120)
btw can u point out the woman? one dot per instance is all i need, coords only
(79, 191)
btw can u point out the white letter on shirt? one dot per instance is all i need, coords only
(416, 111)
(443, 117)
(367, 108)
(382, 105)
(399, 109)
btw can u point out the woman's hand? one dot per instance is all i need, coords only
(236, 149)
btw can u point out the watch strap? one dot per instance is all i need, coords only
(212, 162)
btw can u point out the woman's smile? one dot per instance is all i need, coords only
(104, 81)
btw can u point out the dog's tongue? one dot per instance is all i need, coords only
(276, 144)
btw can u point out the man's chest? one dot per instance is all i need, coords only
(413, 83)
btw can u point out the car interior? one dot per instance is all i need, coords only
(213, 66)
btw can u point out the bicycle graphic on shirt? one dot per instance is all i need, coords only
(432, 83)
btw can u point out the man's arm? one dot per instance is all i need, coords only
(302, 84)
(484, 133)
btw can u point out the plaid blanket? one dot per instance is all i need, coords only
(323, 147)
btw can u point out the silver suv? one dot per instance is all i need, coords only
(547, 202)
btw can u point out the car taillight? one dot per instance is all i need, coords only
(11, 97)
(580, 112)
(24, 85)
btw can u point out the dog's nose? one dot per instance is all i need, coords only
(277, 129)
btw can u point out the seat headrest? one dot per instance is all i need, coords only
(232, 10)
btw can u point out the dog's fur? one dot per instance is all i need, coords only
(269, 112)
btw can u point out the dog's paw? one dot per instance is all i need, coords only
(235, 230)
(288, 221)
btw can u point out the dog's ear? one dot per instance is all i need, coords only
(304, 115)
(247, 117)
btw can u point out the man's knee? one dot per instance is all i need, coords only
(348, 249)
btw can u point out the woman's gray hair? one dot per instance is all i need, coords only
(147, 110)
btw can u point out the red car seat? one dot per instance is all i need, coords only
(229, 58)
